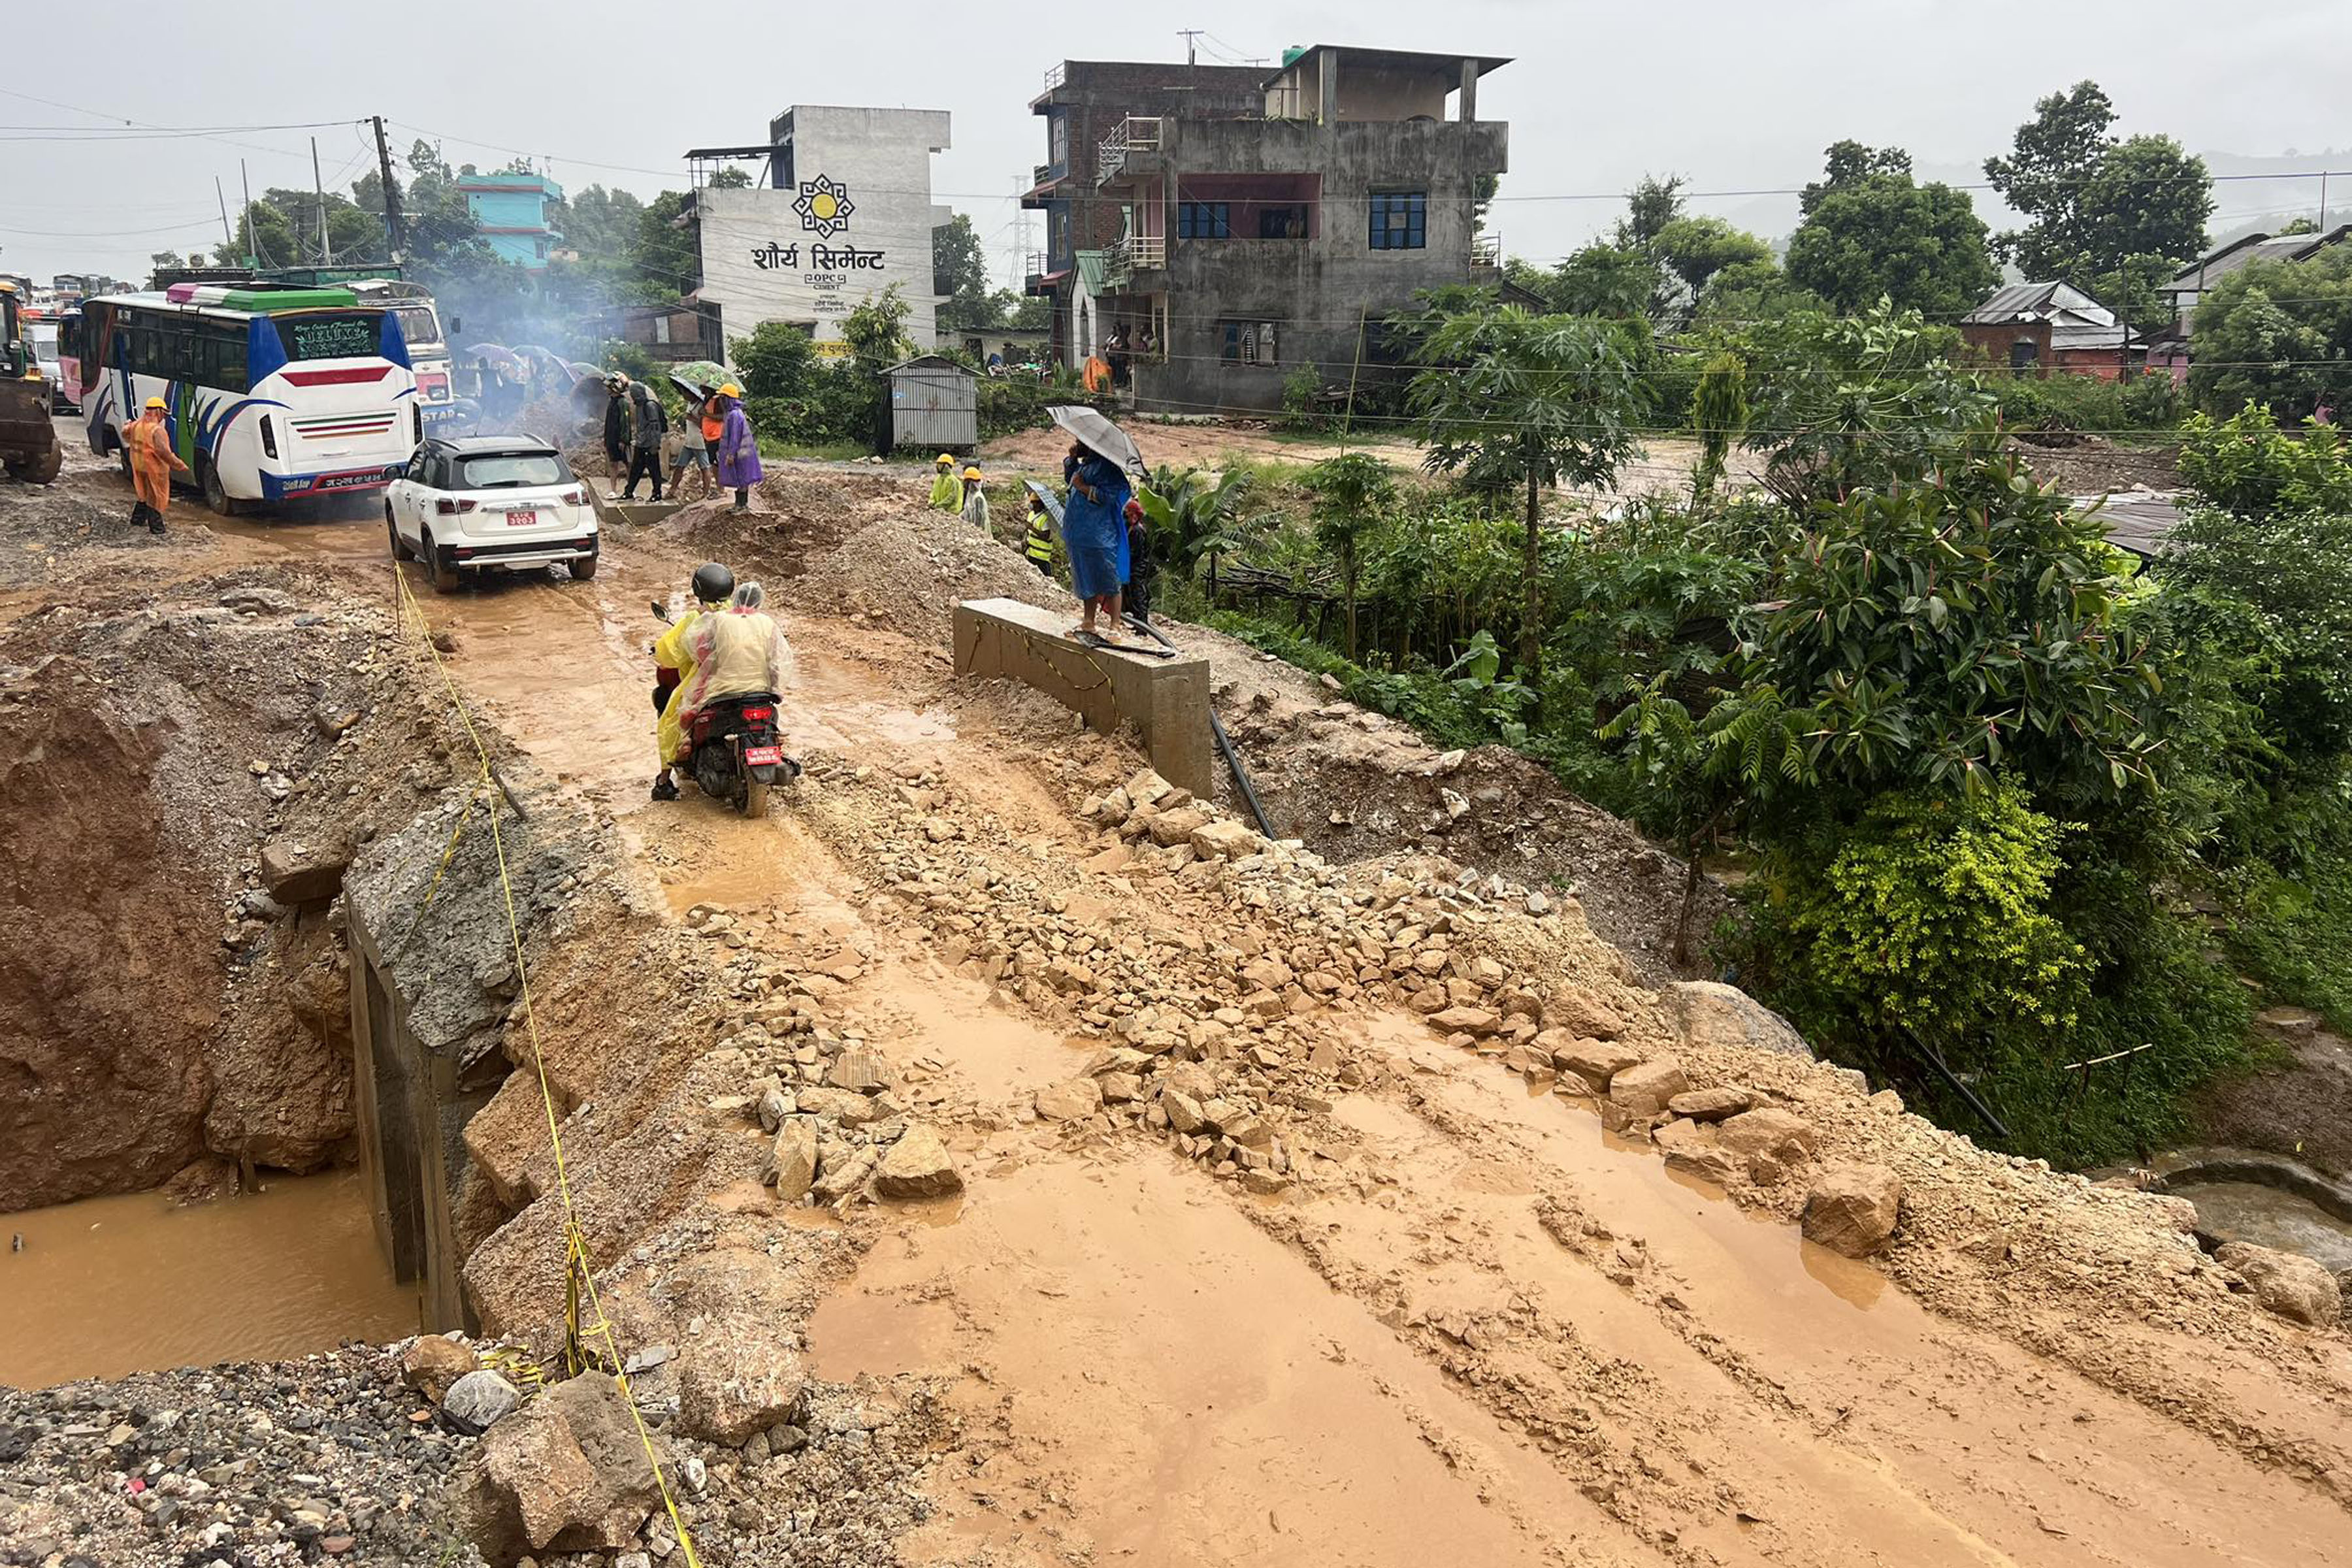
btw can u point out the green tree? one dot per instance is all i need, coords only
(1353, 494)
(1695, 250)
(1601, 280)
(730, 178)
(960, 275)
(1511, 399)
(2276, 333)
(1843, 404)
(665, 252)
(601, 224)
(2095, 202)
(1871, 233)
(777, 360)
(1650, 207)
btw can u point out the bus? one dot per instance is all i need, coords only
(428, 346)
(69, 356)
(272, 391)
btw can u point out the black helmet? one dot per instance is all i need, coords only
(713, 582)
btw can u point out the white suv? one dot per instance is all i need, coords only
(488, 503)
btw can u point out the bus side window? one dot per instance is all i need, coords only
(224, 357)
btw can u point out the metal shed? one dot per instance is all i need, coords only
(934, 403)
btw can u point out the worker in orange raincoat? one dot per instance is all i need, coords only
(153, 462)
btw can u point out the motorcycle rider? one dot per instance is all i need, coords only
(738, 652)
(712, 586)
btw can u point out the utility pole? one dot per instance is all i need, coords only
(1190, 34)
(394, 229)
(319, 190)
(228, 239)
(244, 215)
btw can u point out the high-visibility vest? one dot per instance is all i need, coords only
(1040, 548)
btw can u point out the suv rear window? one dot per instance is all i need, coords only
(512, 471)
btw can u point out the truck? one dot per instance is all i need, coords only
(30, 448)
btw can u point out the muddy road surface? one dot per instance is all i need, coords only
(1273, 1236)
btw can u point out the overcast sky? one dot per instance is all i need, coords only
(1733, 94)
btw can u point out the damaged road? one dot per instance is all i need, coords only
(997, 1157)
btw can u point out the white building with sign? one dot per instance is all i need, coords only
(843, 211)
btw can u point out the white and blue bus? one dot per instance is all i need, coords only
(272, 392)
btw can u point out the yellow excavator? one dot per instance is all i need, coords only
(30, 448)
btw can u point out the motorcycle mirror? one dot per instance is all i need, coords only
(661, 610)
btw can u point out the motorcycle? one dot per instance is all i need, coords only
(734, 751)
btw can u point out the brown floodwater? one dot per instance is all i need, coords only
(114, 1285)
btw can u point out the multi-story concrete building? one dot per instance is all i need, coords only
(1256, 243)
(512, 211)
(1083, 100)
(842, 212)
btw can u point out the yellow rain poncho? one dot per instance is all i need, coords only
(947, 491)
(671, 651)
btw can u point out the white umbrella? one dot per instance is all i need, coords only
(1094, 431)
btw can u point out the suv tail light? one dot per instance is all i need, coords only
(268, 436)
(574, 498)
(759, 712)
(448, 507)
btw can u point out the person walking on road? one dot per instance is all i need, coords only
(617, 429)
(739, 450)
(648, 422)
(153, 464)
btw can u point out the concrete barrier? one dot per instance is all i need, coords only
(1166, 700)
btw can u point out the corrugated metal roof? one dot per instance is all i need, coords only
(2216, 264)
(2076, 322)
(1091, 271)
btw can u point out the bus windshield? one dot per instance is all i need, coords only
(418, 327)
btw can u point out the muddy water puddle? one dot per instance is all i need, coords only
(114, 1285)
(2268, 1217)
(1168, 1386)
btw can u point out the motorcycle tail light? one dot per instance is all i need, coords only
(759, 712)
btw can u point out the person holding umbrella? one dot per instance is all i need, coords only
(1094, 531)
(739, 450)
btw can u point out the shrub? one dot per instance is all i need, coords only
(1302, 400)
(2247, 465)
(1934, 916)
(2086, 402)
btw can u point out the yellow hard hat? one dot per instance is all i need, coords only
(971, 473)
(156, 402)
(730, 390)
(945, 457)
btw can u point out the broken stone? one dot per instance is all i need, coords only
(1465, 1020)
(1644, 1088)
(1690, 1147)
(1782, 1135)
(918, 1166)
(1595, 1061)
(433, 1363)
(480, 1400)
(296, 874)
(1581, 1013)
(1169, 829)
(2286, 1283)
(844, 1106)
(1226, 840)
(861, 1072)
(1182, 1110)
(1852, 1207)
(1069, 1100)
(792, 1162)
(1710, 1104)
(772, 1104)
(1118, 1088)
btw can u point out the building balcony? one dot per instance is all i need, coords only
(1486, 251)
(1136, 133)
(1131, 254)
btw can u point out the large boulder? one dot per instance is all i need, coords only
(1769, 1131)
(295, 873)
(742, 1374)
(1595, 1061)
(1713, 1013)
(918, 1166)
(479, 1401)
(567, 1472)
(1852, 1207)
(2287, 1283)
(792, 1161)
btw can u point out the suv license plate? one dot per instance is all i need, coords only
(521, 516)
(762, 756)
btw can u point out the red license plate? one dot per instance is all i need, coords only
(521, 516)
(762, 756)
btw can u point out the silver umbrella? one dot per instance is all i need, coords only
(1094, 431)
(1053, 502)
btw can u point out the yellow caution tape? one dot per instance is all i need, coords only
(579, 1277)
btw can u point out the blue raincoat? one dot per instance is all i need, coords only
(1094, 528)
